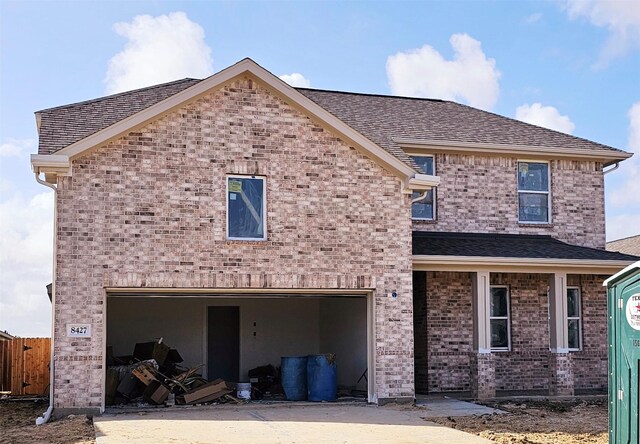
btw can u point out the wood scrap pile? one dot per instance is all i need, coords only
(153, 374)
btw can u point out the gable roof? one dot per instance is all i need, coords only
(58, 161)
(628, 245)
(389, 122)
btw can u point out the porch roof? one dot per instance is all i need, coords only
(427, 243)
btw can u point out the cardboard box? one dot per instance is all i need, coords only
(144, 374)
(204, 392)
(156, 393)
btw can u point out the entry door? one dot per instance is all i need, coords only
(223, 343)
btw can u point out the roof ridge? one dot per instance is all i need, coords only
(390, 96)
(123, 93)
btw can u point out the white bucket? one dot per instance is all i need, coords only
(244, 390)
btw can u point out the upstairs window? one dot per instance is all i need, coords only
(574, 319)
(499, 319)
(246, 205)
(424, 209)
(533, 192)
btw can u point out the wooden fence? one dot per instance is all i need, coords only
(24, 366)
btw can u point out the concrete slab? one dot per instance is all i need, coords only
(254, 423)
(444, 407)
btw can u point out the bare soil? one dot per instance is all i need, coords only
(18, 425)
(538, 422)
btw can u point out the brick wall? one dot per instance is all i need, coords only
(526, 366)
(590, 364)
(449, 334)
(480, 194)
(449, 331)
(148, 210)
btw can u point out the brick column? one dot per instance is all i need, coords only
(561, 380)
(482, 362)
(483, 375)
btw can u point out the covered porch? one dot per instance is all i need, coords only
(505, 314)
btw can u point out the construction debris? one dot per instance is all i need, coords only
(153, 374)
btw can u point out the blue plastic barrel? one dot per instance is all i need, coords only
(321, 377)
(294, 377)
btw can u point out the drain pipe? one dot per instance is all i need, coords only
(47, 415)
(615, 167)
(420, 197)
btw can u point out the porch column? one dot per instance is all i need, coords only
(482, 365)
(561, 379)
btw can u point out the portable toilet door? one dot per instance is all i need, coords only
(623, 300)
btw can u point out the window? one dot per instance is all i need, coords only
(499, 321)
(574, 319)
(533, 192)
(424, 209)
(246, 203)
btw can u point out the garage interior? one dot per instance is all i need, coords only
(233, 333)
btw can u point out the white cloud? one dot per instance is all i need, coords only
(545, 116)
(17, 147)
(622, 186)
(533, 18)
(620, 17)
(424, 72)
(26, 264)
(158, 49)
(296, 79)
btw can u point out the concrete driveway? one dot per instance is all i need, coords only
(259, 423)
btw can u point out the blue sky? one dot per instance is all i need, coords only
(569, 65)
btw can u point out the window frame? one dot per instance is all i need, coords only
(507, 317)
(264, 206)
(578, 318)
(435, 191)
(548, 192)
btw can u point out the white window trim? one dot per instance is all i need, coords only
(264, 206)
(435, 191)
(508, 318)
(579, 318)
(548, 192)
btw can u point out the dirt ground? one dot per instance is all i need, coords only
(17, 425)
(539, 422)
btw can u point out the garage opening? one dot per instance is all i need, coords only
(229, 336)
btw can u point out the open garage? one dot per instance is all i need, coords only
(230, 334)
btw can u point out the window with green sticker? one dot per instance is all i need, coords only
(246, 203)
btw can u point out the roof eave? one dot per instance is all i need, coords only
(52, 165)
(606, 156)
(522, 265)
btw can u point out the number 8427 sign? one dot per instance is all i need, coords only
(79, 330)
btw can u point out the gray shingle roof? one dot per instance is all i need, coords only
(379, 118)
(64, 125)
(628, 245)
(506, 245)
(383, 118)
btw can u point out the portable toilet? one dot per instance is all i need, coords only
(623, 301)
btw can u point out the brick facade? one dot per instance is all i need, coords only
(452, 365)
(480, 194)
(148, 210)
